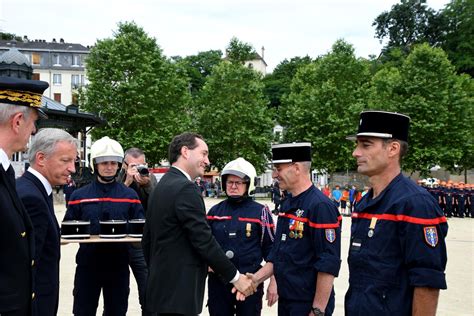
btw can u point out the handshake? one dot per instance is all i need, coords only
(245, 286)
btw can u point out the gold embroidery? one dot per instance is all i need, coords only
(33, 99)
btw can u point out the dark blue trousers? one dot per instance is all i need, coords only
(222, 302)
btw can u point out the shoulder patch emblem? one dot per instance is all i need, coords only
(330, 234)
(431, 235)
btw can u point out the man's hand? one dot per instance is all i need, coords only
(272, 293)
(134, 176)
(245, 286)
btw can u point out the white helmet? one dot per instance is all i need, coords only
(106, 149)
(242, 169)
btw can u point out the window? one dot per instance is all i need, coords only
(35, 58)
(75, 81)
(57, 97)
(56, 78)
(56, 60)
(35, 77)
(76, 60)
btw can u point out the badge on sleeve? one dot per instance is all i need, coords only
(330, 234)
(431, 235)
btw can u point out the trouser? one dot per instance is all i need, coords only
(222, 301)
(112, 279)
(140, 272)
(301, 308)
(449, 209)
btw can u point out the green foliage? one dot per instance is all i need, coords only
(439, 103)
(323, 106)
(407, 23)
(10, 36)
(137, 90)
(199, 67)
(239, 52)
(277, 84)
(458, 37)
(232, 116)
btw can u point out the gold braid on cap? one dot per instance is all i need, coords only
(28, 98)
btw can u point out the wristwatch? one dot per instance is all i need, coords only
(317, 312)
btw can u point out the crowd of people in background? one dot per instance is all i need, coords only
(454, 198)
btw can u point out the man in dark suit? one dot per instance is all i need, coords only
(52, 155)
(18, 100)
(178, 244)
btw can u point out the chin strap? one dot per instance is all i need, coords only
(108, 179)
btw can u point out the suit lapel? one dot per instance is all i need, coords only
(37, 182)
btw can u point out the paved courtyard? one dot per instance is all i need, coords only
(457, 300)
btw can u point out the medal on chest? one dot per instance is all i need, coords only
(296, 226)
(373, 222)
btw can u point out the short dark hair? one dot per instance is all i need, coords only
(134, 152)
(403, 147)
(187, 139)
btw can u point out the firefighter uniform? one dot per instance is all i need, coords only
(244, 230)
(448, 200)
(397, 243)
(307, 241)
(102, 265)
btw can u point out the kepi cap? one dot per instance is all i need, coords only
(383, 124)
(291, 152)
(23, 92)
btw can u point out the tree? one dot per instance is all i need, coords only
(233, 117)
(458, 36)
(239, 52)
(323, 106)
(137, 90)
(407, 23)
(439, 103)
(277, 84)
(199, 67)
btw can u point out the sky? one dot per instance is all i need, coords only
(285, 28)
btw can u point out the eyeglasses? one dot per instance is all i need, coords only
(236, 183)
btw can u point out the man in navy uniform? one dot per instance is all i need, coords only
(397, 255)
(305, 257)
(20, 106)
(52, 156)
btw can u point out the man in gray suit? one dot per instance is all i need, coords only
(178, 244)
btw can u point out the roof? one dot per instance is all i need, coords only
(13, 55)
(41, 45)
(63, 113)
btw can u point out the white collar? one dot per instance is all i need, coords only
(44, 181)
(4, 161)
(184, 172)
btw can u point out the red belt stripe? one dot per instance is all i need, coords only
(311, 224)
(241, 219)
(402, 218)
(113, 200)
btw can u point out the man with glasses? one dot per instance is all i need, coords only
(306, 254)
(244, 230)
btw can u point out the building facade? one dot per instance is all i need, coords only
(60, 64)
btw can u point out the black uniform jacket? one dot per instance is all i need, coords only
(178, 245)
(16, 250)
(47, 243)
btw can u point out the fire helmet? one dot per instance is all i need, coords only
(242, 169)
(106, 149)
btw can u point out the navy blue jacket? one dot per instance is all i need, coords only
(245, 229)
(314, 219)
(397, 244)
(47, 243)
(95, 202)
(16, 249)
